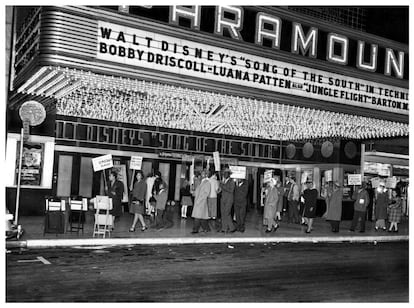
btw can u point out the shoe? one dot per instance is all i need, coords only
(396, 231)
(384, 229)
(275, 228)
(144, 228)
(307, 231)
(390, 230)
(131, 229)
(376, 229)
(268, 231)
(361, 231)
(194, 232)
(351, 230)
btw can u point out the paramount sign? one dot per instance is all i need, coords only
(280, 33)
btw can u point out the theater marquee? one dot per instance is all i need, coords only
(159, 52)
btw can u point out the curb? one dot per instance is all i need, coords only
(76, 243)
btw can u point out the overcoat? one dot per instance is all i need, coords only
(381, 205)
(270, 204)
(310, 196)
(200, 209)
(116, 191)
(334, 205)
(240, 195)
(279, 205)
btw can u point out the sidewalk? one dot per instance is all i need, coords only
(180, 233)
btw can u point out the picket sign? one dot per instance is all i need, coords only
(136, 163)
(268, 174)
(102, 162)
(238, 172)
(354, 179)
(216, 157)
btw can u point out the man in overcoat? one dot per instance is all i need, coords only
(200, 208)
(240, 203)
(227, 198)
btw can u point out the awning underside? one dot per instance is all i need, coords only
(90, 95)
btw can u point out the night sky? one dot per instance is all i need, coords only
(388, 22)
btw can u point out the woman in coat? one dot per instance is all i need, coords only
(279, 205)
(137, 208)
(186, 199)
(270, 206)
(200, 208)
(381, 205)
(115, 191)
(310, 196)
(395, 211)
(334, 207)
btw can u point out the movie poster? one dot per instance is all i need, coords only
(32, 161)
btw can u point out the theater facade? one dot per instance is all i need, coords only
(265, 87)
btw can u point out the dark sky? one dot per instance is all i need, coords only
(389, 22)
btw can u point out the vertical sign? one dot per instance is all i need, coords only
(216, 157)
(268, 174)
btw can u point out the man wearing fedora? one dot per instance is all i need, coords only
(334, 207)
(227, 197)
(361, 198)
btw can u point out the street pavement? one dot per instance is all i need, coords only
(228, 273)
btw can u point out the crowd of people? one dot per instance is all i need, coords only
(210, 197)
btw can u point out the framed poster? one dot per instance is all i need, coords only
(32, 163)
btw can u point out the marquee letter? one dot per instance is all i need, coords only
(263, 19)
(234, 25)
(390, 59)
(372, 65)
(190, 12)
(299, 41)
(333, 39)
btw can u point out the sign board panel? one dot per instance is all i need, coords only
(151, 50)
(354, 179)
(328, 175)
(238, 172)
(391, 182)
(102, 162)
(216, 157)
(136, 162)
(375, 182)
(268, 174)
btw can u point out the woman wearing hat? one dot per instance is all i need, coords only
(270, 207)
(334, 207)
(381, 204)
